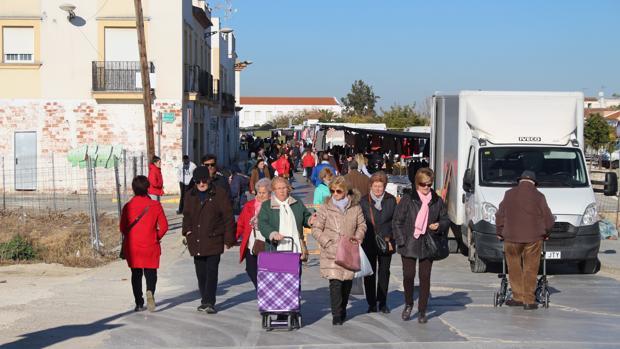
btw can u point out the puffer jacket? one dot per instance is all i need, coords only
(404, 221)
(330, 226)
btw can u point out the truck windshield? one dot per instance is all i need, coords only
(554, 167)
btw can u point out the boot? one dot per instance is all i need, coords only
(407, 312)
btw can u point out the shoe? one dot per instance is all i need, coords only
(371, 309)
(514, 303)
(210, 309)
(343, 317)
(407, 312)
(139, 307)
(150, 301)
(202, 307)
(422, 319)
(336, 321)
(384, 309)
(533, 306)
(179, 211)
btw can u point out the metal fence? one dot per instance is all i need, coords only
(117, 75)
(54, 184)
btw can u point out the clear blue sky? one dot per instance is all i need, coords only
(408, 49)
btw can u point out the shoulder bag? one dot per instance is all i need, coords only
(121, 254)
(382, 245)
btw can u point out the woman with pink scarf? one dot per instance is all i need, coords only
(247, 228)
(419, 212)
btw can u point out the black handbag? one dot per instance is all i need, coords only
(121, 254)
(436, 245)
(382, 245)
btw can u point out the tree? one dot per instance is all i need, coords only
(403, 116)
(597, 132)
(361, 100)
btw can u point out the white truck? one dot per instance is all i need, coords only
(481, 142)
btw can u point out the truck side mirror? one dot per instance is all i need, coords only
(468, 181)
(611, 184)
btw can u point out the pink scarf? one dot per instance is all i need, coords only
(421, 220)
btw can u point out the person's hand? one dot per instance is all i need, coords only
(312, 219)
(433, 226)
(277, 237)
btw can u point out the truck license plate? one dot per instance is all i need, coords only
(553, 255)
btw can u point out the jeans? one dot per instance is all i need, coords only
(425, 281)
(523, 261)
(339, 292)
(136, 282)
(206, 273)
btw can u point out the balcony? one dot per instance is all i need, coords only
(114, 77)
(228, 103)
(198, 83)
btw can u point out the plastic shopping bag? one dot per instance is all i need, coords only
(365, 267)
(357, 288)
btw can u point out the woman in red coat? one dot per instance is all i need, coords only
(143, 224)
(156, 181)
(247, 227)
(282, 166)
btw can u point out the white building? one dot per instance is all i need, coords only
(74, 81)
(260, 110)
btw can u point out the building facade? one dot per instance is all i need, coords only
(73, 79)
(260, 110)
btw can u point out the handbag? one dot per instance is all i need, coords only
(259, 245)
(436, 245)
(382, 245)
(348, 254)
(121, 254)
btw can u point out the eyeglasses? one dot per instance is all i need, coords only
(203, 181)
(425, 185)
(210, 164)
(337, 191)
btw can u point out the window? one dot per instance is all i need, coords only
(18, 44)
(269, 116)
(121, 45)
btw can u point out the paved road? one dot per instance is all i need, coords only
(584, 313)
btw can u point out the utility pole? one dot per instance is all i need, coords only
(146, 82)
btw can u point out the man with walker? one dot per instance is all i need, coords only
(523, 220)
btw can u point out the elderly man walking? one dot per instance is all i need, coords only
(523, 221)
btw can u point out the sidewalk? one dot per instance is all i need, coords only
(609, 255)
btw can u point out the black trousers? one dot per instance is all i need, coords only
(339, 292)
(377, 292)
(182, 189)
(136, 282)
(206, 273)
(251, 266)
(425, 281)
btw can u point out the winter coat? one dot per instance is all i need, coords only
(255, 177)
(222, 182)
(244, 229)
(269, 218)
(211, 224)
(238, 187)
(141, 243)
(358, 181)
(156, 181)
(282, 165)
(404, 221)
(317, 170)
(330, 226)
(308, 160)
(320, 194)
(383, 219)
(523, 215)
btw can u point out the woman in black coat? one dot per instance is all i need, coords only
(409, 225)
(378, 208)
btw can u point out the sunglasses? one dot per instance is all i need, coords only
(210, 165)
(425, 185)
(203, 181)
(337, 191)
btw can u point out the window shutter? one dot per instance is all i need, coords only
(18, 44)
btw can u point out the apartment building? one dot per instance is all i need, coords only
(72, 78)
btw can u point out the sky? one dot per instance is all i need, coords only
(408, 49)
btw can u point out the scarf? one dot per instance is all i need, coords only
(288, 227)
(377, 200)
(254, 225)
(341, 204)
(421, 220)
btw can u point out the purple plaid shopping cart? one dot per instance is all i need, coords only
(279, 289)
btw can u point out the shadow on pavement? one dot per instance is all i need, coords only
(55, 335)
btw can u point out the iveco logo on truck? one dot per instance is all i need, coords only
(530, 139)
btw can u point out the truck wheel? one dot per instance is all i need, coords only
(590, 266)
(477, 265)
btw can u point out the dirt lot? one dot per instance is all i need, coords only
(61, 238)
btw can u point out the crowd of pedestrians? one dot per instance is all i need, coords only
(350, 209)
